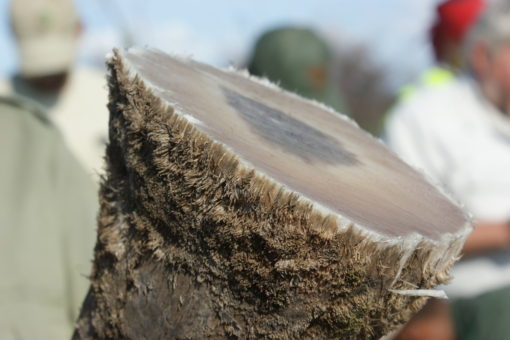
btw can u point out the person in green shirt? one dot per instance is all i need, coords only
(47, 216)
(299, 61)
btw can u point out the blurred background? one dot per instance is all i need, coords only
(444, 108)
(379, 46)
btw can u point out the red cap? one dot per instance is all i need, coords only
(454, 19)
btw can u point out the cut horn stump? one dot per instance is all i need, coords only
(234, 210)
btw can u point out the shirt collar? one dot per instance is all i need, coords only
(498, 121)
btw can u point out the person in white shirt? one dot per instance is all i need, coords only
(459, 135)
(75, 98)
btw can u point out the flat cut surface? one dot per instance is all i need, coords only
(308, 149)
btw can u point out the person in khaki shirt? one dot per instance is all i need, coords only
(74, 97)
(47, 227)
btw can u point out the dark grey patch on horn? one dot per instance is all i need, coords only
(290, 134)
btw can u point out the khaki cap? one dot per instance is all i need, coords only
(46, 33)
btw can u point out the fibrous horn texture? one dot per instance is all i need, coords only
(234, 210)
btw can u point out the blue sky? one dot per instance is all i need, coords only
(222, 32)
